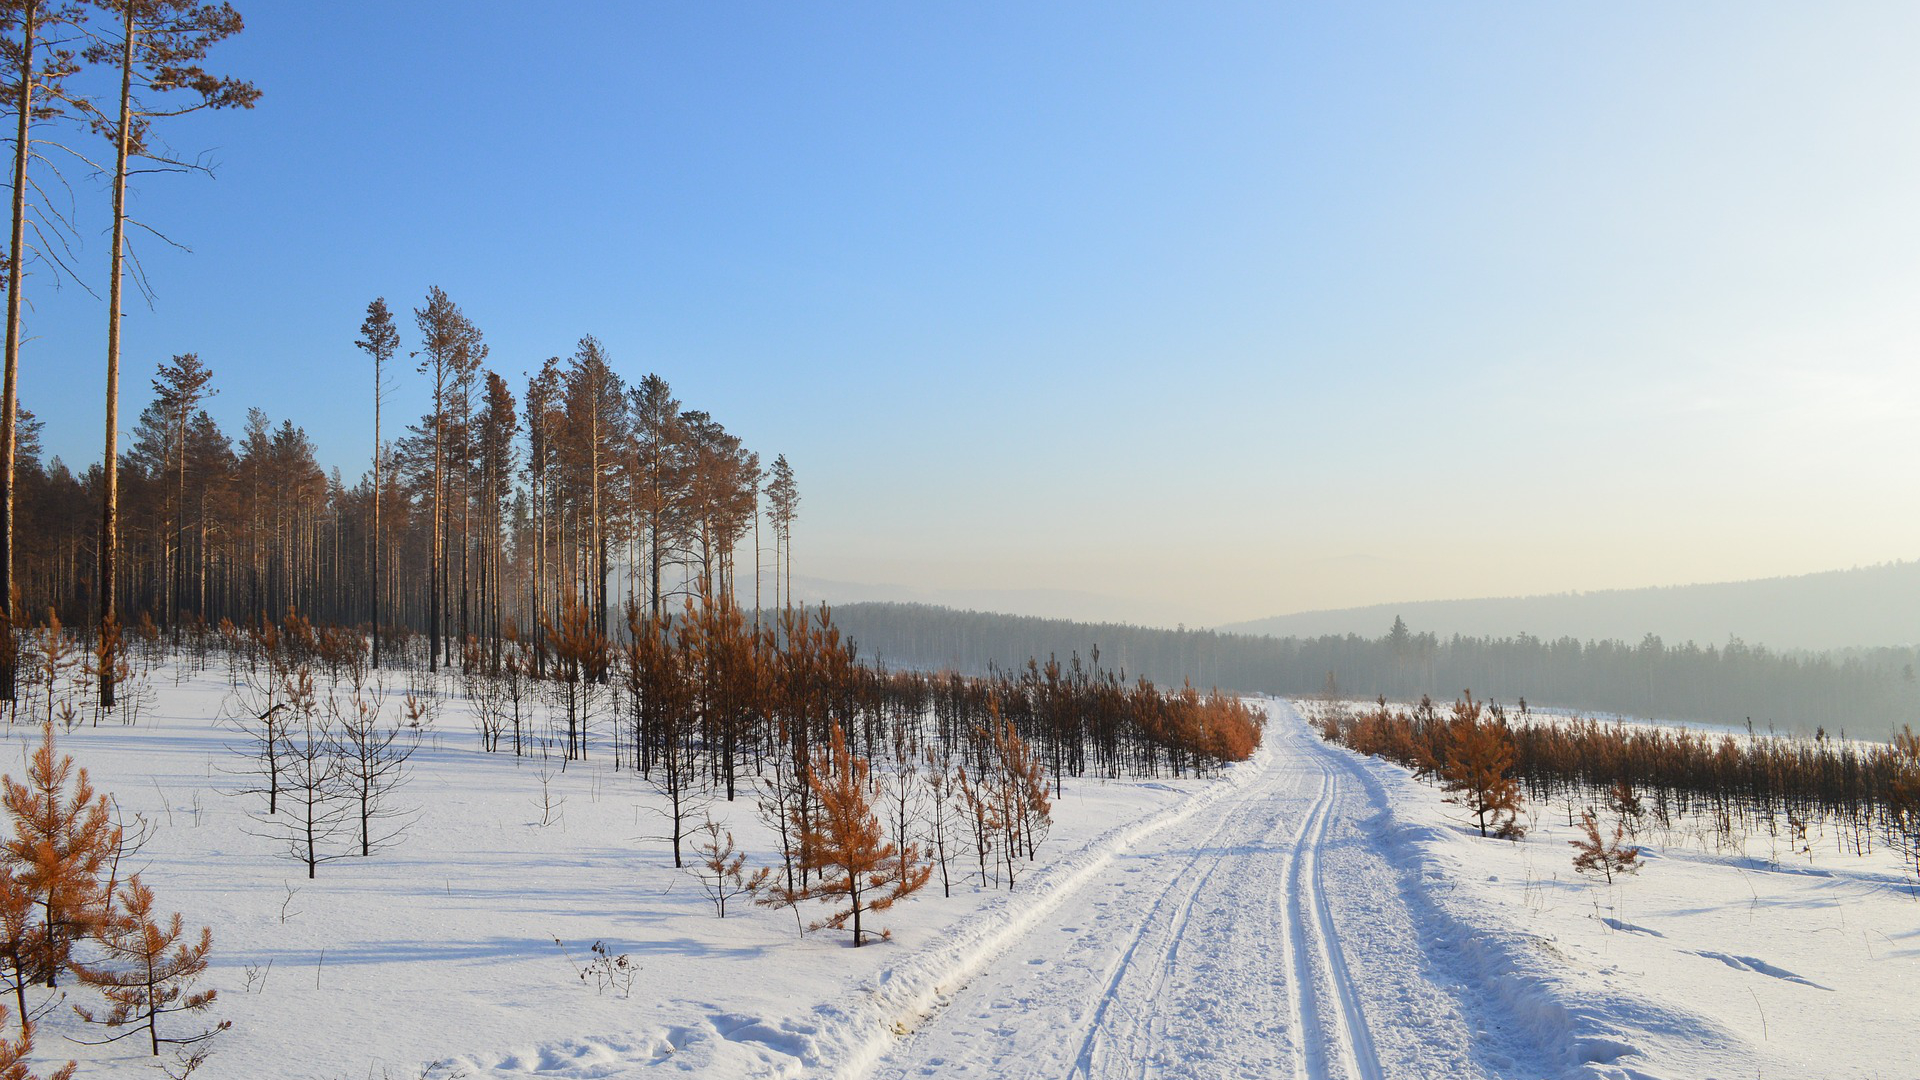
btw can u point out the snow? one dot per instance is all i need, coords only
(1749, 961)
(1308, 914)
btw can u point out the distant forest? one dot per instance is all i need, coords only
(1863, 692)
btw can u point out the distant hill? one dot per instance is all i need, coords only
(1865, 691)
(1839, 609)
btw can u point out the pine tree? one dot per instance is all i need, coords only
(1478, 770)
(543, 390)
(1604, 855)
(662, 695)
(942, 799)
(783, 505)
(148, 971)
(778, 807)
(373, 762)
(497, 426)
(580, 662)
(451, 349)
(34, 66)
(62, 839)
(722, 869)
(595, 430)
(380, 341)
(15, 1052)
(860, 871)
(312, 776)
(22, 945)
(159, 42)
(178, 389)
(658, 477)
(1018, 787)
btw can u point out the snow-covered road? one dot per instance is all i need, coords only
(1262, 937)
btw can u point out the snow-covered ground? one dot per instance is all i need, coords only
(444, 948)
(1749, 960)
(1308, 914)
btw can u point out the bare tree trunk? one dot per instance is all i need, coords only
(22, 149)
(539, 571)
(110, 461)
(599, 538)
(374, 569)
(434, 562)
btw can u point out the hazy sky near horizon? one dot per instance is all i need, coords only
(1196, 312)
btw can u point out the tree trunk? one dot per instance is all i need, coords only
(434, 567)
(110, 461)
(22, 148)
(374, 569)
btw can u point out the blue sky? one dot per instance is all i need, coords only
(1187, 312)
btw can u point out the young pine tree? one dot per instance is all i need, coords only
(722, 868)
(147, 971)
(860, 872)
(21, 945)
(62, 839)
(1604, 855)
(1626, 805)
(1479, 758)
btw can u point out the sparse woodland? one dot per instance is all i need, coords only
(1618, 781)
(705, 710)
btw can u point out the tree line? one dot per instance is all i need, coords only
(870, 778)
(504, 506)
(1791, 788)
(1866, 692)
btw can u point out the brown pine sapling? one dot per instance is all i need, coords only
(941, 805)
(721, 868)
(1476, 772)
(859, 871)
(62, 839)
(1607, 856)
(147, 970)
(16, 1052)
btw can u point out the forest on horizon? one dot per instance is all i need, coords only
(1867, 693)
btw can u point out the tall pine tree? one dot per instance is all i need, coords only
(156, 54)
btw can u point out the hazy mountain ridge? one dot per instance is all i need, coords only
(1836, 609)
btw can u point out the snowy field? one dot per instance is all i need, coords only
(1309, 914)
(443, 948)
(1764, 959)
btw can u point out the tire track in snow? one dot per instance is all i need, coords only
(942, 973)
(1312, 936)
(1149, 924)
(1229, 962)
